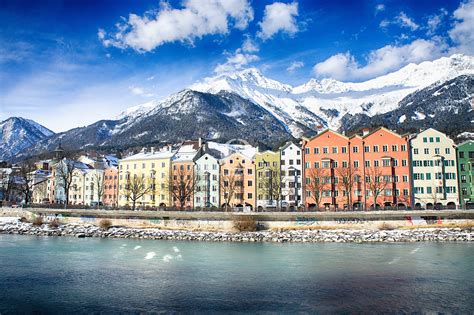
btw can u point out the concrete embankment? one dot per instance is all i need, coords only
(298, 236)
(222, 221)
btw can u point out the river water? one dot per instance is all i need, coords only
(69, 275)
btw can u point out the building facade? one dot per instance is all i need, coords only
(150, 170)
(268, 177)
(110, 196)
(237, 177)
(206, 194)
(434, 170)
(291, 165)
(466, 173)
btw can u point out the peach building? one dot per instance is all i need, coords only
(326, 156)
(183, 177)
(386, 169)
(363, 171)
(110, 195)
(238, 181)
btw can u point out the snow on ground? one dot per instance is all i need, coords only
(402, 119)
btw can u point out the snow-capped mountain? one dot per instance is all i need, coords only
(248, 105)
(17, 134)
(321, 104)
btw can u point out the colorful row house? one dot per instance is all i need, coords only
(466, 173)
(365, 171)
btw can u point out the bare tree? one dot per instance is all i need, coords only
(348, 177)
(181, 185)
(6, 184)
(98, 185)
(316, 184)
(229, 186)
(271, 184)
(26, 181)
(136, 187)
(39, 191)
(375, 182)
(64, 171)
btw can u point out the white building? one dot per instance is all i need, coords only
(206, 192)
(291, 163)
(434, 170)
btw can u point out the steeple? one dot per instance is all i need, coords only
(58, 152)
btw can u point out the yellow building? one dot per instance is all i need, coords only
(268, 178)
(144, 178)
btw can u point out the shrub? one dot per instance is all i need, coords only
(23, 219)
(54, 224)
(245, 223)
(38, 221)
(105, 224)
(386, 227)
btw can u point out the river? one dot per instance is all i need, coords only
(70, 275)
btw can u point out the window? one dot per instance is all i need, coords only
(316, 150)
(428, 176)
(418, 190)
(448, 151)
(366, 149)
(334, 149)
(376, 163)
(344, 164)
(405, 178)
(249, 196)
(344, 150)
(426, 151)
(326, 164)
(425, 140)
(436, 150)
(461, 155)
(404, 163)
(249, 183)
(437, 139)
(385, 148)
(306, 150)
(418, 176)
(431, 139)
(404, 147)
(415, 151)
(386, 162)
(355, 149)
(325, 150)
(376, 148)
(356, 163)
(367, 163)
(316, 164)
(428, 190)
(307, 165)
(394, 148)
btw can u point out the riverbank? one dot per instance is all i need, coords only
(298, 236)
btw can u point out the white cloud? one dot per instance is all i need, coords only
(279, 17)
(295, 65)
(196, 19)
(379, 8)
(434, 21)
(401, 20)
(249, 45)
(404, 21)
(137, 90)
(236, 61)
(462, 34)
(384, 23)
(389, 58)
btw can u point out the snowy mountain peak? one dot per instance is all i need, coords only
(18, 133)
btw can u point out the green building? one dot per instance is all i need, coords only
(466, 173)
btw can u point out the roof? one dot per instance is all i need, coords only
(150, 156)
(227, 149)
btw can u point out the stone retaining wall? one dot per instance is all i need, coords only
(339, 236)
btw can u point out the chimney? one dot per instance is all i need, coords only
(365, 131)
(200, 142)
(152, 150)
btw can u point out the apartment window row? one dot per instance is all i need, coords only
(436, 151)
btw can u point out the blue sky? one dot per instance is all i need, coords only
(70, 63)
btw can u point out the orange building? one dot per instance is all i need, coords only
(386, 169)
(350, 173)
(237, 188)
(110, 195)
